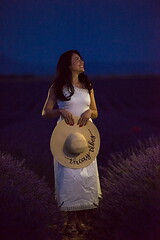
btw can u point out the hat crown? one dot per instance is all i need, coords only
(76, 143)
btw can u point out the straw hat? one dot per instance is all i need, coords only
(74, 146)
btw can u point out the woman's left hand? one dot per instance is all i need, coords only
(85, 116)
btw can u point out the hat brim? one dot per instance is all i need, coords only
(59, 136)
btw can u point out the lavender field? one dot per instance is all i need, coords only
(129, 112)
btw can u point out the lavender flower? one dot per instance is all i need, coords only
(130, 208)
(26, 202)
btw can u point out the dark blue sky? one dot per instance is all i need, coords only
(110, 34)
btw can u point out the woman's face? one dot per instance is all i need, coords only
(77, 64)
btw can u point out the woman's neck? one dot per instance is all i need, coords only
(75, 79)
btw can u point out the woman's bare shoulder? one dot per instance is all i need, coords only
(51, 88)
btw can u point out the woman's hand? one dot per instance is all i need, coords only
(67, 116)
(84, 118)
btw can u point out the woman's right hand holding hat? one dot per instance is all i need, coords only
(67, 116)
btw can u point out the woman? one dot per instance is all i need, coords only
(74, 95)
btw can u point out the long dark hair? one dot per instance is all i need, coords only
(64, 77)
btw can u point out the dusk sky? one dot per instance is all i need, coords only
(111, 35)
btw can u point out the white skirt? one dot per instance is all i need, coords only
(77, 189)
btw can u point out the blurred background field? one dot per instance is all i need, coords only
(129, 111)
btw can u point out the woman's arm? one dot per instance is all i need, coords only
(92, 112)
(93, 106)
(49, 112)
